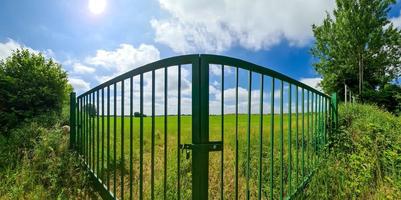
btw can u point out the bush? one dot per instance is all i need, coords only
(30, 85)
(364, 160)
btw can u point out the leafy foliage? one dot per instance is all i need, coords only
(364, 161)
(358, 43)
(30, 85)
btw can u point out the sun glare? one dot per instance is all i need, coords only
(97, 6)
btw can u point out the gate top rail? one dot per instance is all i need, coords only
(209, 58)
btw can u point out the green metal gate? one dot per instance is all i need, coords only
(262, 142)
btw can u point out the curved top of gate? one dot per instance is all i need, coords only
(197, 59)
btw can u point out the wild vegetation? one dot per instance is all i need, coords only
(364, 159)
(35, 161)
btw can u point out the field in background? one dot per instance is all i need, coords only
(105, 170)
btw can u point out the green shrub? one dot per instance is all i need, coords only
(364, 160)
(30, 85)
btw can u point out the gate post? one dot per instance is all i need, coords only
(200, 129)
(72, 119)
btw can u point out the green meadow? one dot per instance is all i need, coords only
(114, 160)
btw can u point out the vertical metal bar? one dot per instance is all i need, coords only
(72, 119)
(260, 137)
(122, 141)
(222, 134)
(272, 139)
(296, 132)
(320, 121)
(87, 130)
(165, 133)
(289, 139)
(236, 133)
(303, 134)
(308, 132)
(334, 111)
(115, 142)
(108, 137)
(141, 139)
(179, 134)
(90, 131)
(131, 121)
(248, 154)
(316, 128)
(81, 126)
(312, 129)
(200, 129)
(325, 119)
(102, 135)
(93, 131)
(98, 133)
(281, 141)
(152, 172)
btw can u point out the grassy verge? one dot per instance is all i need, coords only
(35, 163)
(364, 160)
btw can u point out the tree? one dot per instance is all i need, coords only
(138, 114)
(30, 85)
(359, 47)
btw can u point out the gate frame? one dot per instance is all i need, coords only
(201, 146)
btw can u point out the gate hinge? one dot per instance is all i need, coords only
(212, 146)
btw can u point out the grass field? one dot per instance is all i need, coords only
(113, 169)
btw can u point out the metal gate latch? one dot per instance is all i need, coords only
(212, 146)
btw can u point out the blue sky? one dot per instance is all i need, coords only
(129, 33)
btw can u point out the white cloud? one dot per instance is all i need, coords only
(7, 48)
(396, 21)
(79, 84)
(82, 69)
(215, 26)
(124, 58)
(313, 82)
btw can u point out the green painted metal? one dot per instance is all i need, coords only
(281, 139)
(236, 131)
(289, 139)
(248, 138)
(260, 137)
(72, 119)
(222, 135)
(272, 138)
(280, 173)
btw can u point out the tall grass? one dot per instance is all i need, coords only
(365, 157)
(106, 170)
(36, 163)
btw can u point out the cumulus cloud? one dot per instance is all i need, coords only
(7, 48)
(79, 84)
(124, 58)
(313, 82)
(82, 69)
(215, 26)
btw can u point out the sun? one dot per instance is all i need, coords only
(96, 6)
